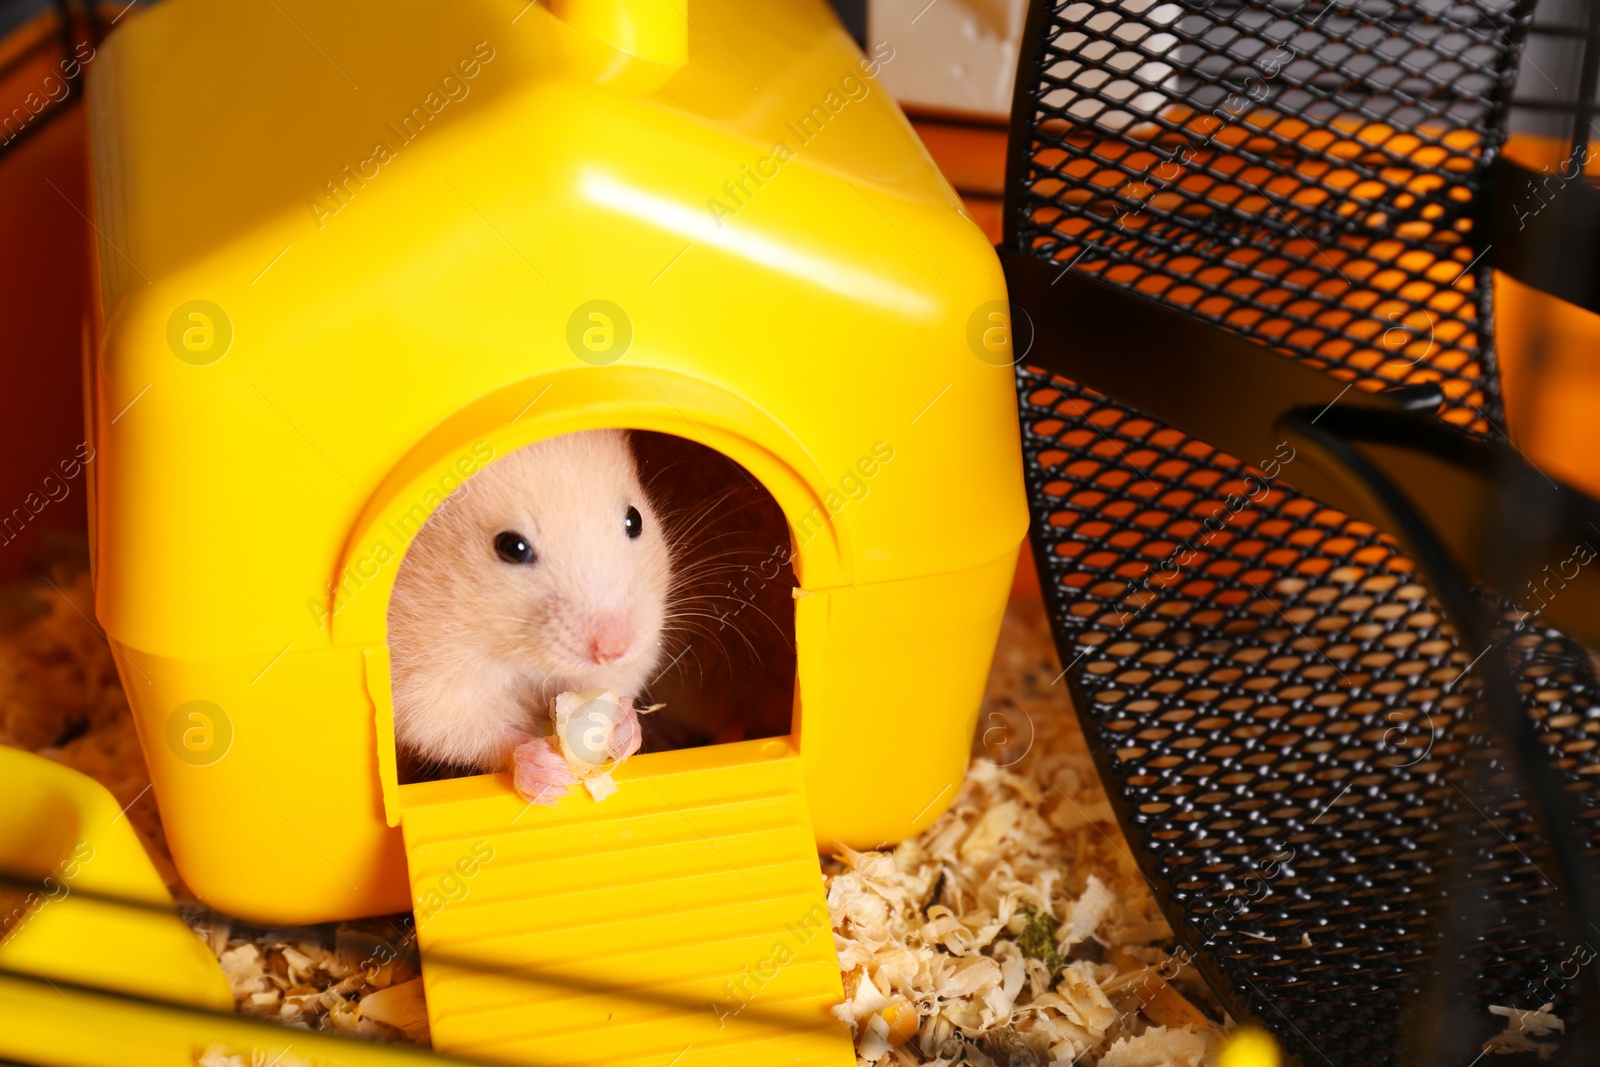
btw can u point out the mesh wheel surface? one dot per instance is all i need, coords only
(1306, 173)
(1275, 702)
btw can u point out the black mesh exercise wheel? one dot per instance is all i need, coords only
(1289, 724)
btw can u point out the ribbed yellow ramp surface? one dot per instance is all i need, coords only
(681, 921)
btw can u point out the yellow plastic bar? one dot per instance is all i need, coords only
(58, 1024)
(71, 859)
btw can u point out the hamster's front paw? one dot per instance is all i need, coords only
(626, 737)
(540, 772)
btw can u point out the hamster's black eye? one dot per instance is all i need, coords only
(633, 522)
(513, 547)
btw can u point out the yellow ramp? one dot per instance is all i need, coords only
(681, 921)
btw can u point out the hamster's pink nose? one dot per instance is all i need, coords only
(610, 639)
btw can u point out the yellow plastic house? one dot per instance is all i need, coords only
(352, 252)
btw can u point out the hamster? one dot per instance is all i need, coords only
(548, 571)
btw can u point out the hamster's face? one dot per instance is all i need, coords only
(551, 558)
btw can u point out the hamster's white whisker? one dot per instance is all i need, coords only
(707, 633)
(697, 515)
(725, 616)
(710, 509)
(749, 588)
(699, 510)
(723, 620)
(702, 574)
(679, 535)
(674, 465)
(702, 565)
(687, 650)
(687, 548)
(753, 606)
(732, 553)
(699, 665)
(700, 555)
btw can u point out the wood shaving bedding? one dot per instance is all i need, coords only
(1522, 1027)
(1014, 931)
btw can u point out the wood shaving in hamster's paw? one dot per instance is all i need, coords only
(593, 732)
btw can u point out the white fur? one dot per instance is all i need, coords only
(479, 646)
